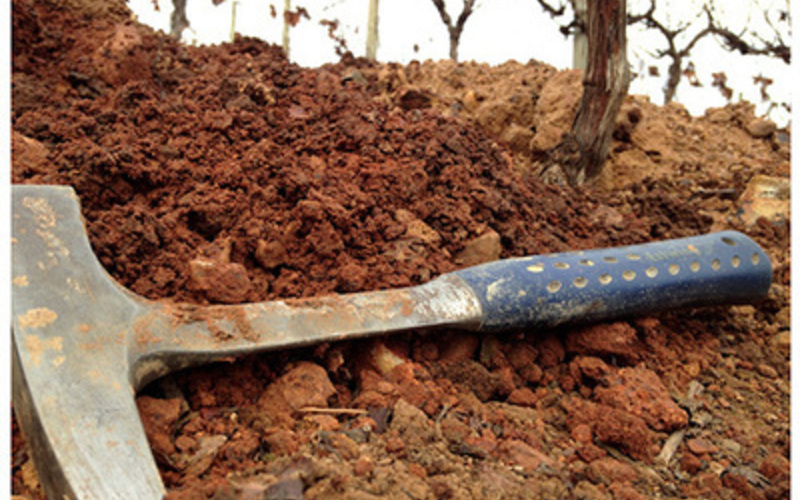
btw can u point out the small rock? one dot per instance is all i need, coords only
(271, 254)
(587, 491)
(590, 452)
(582, 433)
(298, 112)
(395, 444)
(719, 115)
(404, 216)
(731, 446)
(185, 444)
(700, 446)
(343, 445)
(784, 317)
(624, 491)
(491, 354)
(470, 101)
(354, 75)
(551, 350)
(737, 473)
(703, 485)
(607, 216)
(484, 248)
(324, 422)
(286, 489)
(418, 229)
(411, 423)
(281, 441)
(306, 385)
(384, 359)
(567, 383)
(760, 128)
(517, 137)
(774, 466)
(363, 466)
(640, 392)
(30, 478)
(610, 470)
(624, 429)
(782, 341)
(767, 371)
(519, 453)
(522, 396)
(359, 435)
(453, 429)
(417, 470)
(472, 376)
(628, 118)
(467, 448)
(605, 339)
(159, 417)
(414, 384)
(459, 347)
(593, 368)
(701, 418)
(124, 40)
(414, 99)
(651, 136)
(522, 357)
(483, 445)
(377, 421)
(224, 282)
(505, 381)
(690, 463)
(28, 154)
(207, 450)
(766, 197)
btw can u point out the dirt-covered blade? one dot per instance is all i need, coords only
(83, 344)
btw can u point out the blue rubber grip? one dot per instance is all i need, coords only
(593, 285)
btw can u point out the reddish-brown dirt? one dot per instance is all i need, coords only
(226, 174)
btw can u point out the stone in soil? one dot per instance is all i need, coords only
(775, 466)
(521, 454)
(612, 426)
(411, 424)
(640, 392)
(306, 385)
(605, 340)
(700, 446)
(159, 417)
(609, 470)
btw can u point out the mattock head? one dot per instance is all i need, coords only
(72, 356)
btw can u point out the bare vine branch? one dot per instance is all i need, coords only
(553, 11)
(178, 20)
(672, 51)
(771, 44)
(455, 30)
(735, 42)
(576, 25)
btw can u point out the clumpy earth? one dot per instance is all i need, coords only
(221, 175)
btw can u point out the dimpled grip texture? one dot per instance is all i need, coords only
(550, 290)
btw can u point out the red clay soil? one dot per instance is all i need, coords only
(226, 174)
